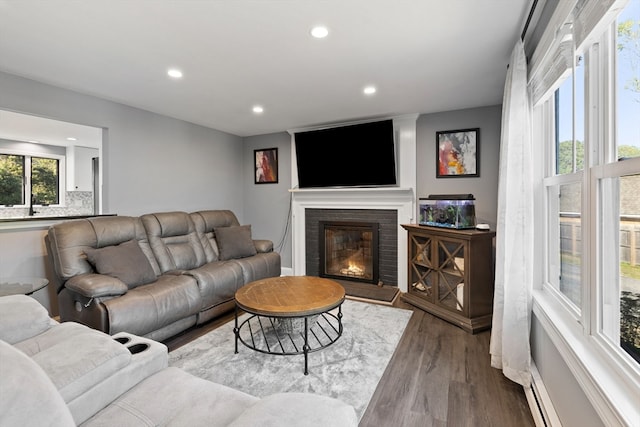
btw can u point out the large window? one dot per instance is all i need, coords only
(590, 119)
(28, 180)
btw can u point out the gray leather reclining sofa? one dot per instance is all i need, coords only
(155, 275)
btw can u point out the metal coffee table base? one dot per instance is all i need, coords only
(286, 336)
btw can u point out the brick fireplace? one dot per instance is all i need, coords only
(361, 246)
(389, 207)
(348, 250)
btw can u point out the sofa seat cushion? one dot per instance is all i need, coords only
(299, 410)
(82, 359)
(153, 306)
(50, 338)
(173, 397)
(125, 261)
(29, 398)
(259, 266)
(22, 317)
(218, 282)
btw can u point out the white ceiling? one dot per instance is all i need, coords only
(422, 55)
(41, 130)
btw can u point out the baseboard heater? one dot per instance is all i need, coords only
(542, 410)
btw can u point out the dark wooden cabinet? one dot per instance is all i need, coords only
(451, 274)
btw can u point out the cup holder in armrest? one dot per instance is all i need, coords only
(138, 348)
(123, 340)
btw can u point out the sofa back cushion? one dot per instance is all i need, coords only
(70, 240)
(206, 222)
(125, 261)
(29, 398)
(173, 239)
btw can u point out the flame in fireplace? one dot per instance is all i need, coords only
(354, 270)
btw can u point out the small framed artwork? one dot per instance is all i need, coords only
(266, 165)
(457, 153)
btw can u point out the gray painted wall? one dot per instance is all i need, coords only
(150, 162)
(266, 206)
(571, 404)
(484, 187)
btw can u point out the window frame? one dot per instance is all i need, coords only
(553, 180)
(27, 175)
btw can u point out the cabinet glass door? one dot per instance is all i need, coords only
(423, 274)
(451, 274)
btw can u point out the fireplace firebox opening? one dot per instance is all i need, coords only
(349, 250)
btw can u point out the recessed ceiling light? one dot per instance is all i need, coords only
(319, 32)
(258, 109)
(369, 90)
(175, 73)
(72, 139)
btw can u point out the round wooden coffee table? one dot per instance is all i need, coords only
(289, 315)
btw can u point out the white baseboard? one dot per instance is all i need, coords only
(285, 271)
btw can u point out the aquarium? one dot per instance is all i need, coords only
(448, 210)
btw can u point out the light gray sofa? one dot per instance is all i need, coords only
(155, 275)
(66, 374)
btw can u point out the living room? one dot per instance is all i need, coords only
(154, 162)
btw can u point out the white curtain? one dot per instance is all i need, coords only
(514, 231)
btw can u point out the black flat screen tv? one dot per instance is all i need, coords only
(361, 155)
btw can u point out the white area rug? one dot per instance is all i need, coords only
(349, 369)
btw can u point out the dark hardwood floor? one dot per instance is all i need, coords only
(439, 375)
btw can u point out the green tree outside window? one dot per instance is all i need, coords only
(11, 179)
(565, 155)
(44, 181)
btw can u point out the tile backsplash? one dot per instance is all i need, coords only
(77, 203)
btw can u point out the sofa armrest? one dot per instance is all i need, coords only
(96, 285)
(263, 246)
(22, 317)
